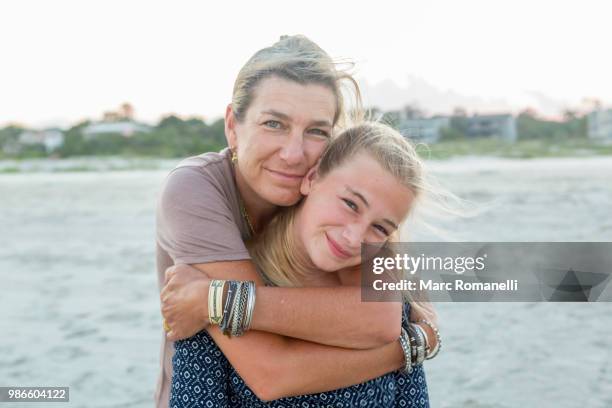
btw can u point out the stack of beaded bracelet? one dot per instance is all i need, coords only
(415, 344)
(235, 317)
(418, 343)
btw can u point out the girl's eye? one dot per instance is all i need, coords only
(319, 132)
(382, 229)
(274, 124)
(350, 204)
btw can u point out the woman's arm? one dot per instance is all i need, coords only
(331, 316)
(274, 366)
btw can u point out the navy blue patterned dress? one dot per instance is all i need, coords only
(203, 377)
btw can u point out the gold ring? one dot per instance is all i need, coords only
(166, 327)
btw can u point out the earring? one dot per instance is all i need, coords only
(234, 156)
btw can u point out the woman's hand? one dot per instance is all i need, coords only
(184, 301)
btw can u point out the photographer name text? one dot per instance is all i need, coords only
(457, 285)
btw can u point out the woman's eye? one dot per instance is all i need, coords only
(350, 204)
(382, 229)
(319, 132)
(274, 124)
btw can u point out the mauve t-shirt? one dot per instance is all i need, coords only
(198, 221)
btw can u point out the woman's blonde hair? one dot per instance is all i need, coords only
(298, 59)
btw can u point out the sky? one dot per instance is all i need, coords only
(65, 61)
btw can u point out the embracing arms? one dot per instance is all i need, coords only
(334, 316)
(274, 366)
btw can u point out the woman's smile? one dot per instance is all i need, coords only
(286, 177)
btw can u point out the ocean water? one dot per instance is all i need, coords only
(79, 297)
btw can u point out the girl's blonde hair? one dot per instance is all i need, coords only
(274, 250)
(298, 59)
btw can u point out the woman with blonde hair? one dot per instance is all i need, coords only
(287, 104)
(366, 183)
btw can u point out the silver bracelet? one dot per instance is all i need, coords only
(420, 336)
(436, 349)
(250, 305)
(226, 321)
(405, 343)
(242, 308)
(426, 340)
(236, 310)
(416, 342)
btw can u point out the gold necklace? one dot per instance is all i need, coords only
(245, 215)
(243, 210)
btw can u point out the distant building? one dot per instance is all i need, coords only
(429, 130)
(600, 124)
(501, 126)
(50, 138)
(426, 130)
(124, 113)
(125, 128)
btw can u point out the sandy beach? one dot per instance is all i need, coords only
(80, 306)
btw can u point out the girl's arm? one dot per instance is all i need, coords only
(274, 366)
(333, 316)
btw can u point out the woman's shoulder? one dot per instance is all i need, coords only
(211, 168)
(204, 181)
(205, 161)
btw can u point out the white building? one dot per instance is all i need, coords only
(426, 130)
(50, 138)
(600, 124)
(125, 128)
(501, 126)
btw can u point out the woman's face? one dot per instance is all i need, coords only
(357, 202)
(283, 133)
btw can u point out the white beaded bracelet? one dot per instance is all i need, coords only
(436, 349)
(405, 343)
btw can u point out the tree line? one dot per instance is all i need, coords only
(177, 137)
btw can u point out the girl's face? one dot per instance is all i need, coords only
(357, 202)
(282, 135)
